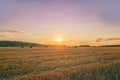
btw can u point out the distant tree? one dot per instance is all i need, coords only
(22, 46)
(46, 46)
(84, 45)
(31, 46)
(75, 46)
(19, 44)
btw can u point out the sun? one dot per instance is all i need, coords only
(59, 39)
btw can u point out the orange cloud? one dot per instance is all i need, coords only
(108, 39)
(2, 36)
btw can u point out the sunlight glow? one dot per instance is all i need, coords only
(59, 39)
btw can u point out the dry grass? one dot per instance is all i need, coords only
(94, 63)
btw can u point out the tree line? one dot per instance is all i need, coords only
(18, 44)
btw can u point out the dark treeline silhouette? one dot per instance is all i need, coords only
(25, 44)
(18, 44)
(30, 45)
(110, 46)
(97, 46)
(82, 46)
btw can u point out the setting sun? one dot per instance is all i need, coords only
(59, 39)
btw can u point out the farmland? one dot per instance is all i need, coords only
(60, 63)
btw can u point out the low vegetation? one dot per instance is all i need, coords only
(109, 71)
(60, 63)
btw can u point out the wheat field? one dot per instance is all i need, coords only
(60, 63)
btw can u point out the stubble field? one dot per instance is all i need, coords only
(60, 63)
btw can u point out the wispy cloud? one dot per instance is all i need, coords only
(99, 39)
(2, 36)
(14, 31)
(107, 39)
(113, 39)
(11, 31)
(8, 33)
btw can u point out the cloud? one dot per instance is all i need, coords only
(7, 11)
(99, 39)
(112, 39)
(7, 33)
(10, 31)
(2, 36)
(14, 31)
(111, 17)
(108, 39)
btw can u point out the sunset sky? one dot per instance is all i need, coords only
(77, 22)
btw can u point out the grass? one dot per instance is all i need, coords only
(93, 63)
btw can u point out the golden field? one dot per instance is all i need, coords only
(60, 63)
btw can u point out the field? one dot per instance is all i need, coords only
(60, 63)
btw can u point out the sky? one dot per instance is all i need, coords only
(77, 22)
